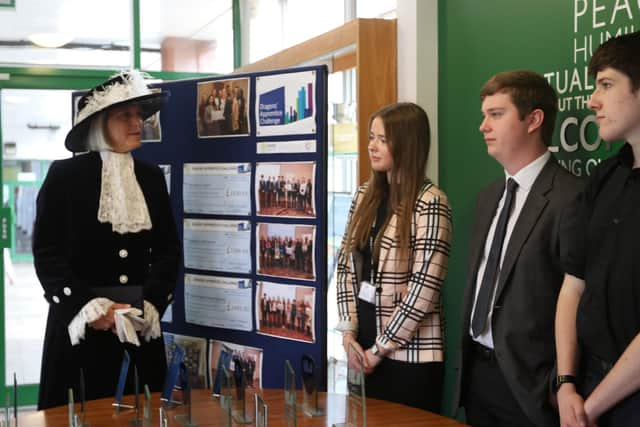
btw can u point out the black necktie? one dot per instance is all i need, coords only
(483, 302)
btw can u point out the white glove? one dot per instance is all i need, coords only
(151, 327)
(128, 322)
(92, 311)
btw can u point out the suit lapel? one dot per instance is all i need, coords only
(531, 211)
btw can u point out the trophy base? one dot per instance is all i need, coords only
(241, 418)
(183, 420)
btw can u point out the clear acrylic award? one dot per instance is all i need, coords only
(186, 419)
(309, 375)
(226, 389)
(356, 408)
(241, 413)
(262, 411)
(289, 395)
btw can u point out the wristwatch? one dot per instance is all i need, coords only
(377, 351)
(562, 379)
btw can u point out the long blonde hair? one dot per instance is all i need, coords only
(407, 132)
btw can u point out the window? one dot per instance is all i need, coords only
(186, 36)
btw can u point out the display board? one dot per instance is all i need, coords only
(245, 159)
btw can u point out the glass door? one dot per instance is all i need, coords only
(34, 124)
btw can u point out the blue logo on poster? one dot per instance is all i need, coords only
(273, 112)
(271, 108)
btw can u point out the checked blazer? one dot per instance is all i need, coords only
(408, 302)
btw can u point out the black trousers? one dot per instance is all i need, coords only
(488, 400)
(412, 384)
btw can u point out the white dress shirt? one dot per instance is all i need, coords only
(525, 179)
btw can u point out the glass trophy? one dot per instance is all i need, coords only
(228, 408)
(241, 414)
(289, 395)
(217, 373)
(186, 419)
(226, 389)
(173, 371)
(137, 421)
(356, 411)
(71, 406)
(262, 412)
(309, 375)
(164, 419)
(75, 420)
(122, 380)
(146, 411)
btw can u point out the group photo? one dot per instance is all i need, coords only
(244, 363)
(285, 311)
(222, 108)
(286, 250)
(285, 189)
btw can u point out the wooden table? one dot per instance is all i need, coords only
(207, 412)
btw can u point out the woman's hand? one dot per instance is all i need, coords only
(372, 361)
(108, 322)
(348, 338)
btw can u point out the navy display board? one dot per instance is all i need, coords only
(180, 144)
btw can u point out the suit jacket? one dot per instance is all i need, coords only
(75, 255)
(408, 310)
(527, 289)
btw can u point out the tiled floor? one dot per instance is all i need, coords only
(25, 320)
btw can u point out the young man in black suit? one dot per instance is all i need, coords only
(516, 259)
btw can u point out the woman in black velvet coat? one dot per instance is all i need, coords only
(104, 220)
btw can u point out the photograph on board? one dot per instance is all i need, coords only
(233, 356)
(285, 311)
(286, 250)
(222, 108)
(195, 356)
(285, 189)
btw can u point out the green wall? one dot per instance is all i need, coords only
(478, 39)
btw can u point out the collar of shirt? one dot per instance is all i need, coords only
(528, 174)
(625, 156)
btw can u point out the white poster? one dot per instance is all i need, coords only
(219, 245)
(219, 302)
(286, 104)
(217, 188)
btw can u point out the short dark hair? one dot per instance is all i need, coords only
(528, 91)
(620, 53)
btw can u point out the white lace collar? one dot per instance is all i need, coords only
(121, 200)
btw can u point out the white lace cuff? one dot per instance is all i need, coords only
(92, 311)
(152, 322)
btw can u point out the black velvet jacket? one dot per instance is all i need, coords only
(74, 254)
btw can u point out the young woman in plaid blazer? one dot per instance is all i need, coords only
(392, 262)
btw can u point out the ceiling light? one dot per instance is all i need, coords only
(51, 40)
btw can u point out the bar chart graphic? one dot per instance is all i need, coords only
(286, 105)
